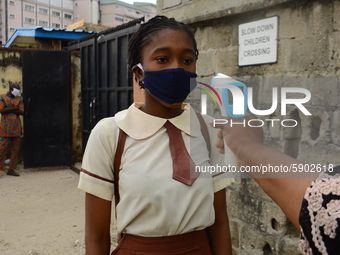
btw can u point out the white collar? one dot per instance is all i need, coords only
(140, 125)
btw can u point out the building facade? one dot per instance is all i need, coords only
(59, 14)
(115, 12)
(19, 13)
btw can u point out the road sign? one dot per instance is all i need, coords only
(258, 42)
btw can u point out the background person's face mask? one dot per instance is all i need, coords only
(169, 85)
(15, 92)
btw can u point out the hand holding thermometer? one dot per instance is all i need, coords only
(223, 84)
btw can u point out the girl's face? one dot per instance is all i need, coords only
(168, 49)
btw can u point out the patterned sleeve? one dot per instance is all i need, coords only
(320, 215)
(2, 103)
(96, 175)
(221, 179)
(21, 104)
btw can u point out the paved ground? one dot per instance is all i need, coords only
(42, 212)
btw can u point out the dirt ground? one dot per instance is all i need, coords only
(42, 212)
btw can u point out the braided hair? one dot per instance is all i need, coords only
(147, 30)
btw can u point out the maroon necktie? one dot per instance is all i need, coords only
(183, 166)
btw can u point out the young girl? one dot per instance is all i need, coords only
(161, 210)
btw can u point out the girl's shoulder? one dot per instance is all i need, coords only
(106, 126)
(111, 122)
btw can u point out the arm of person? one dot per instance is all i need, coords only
(286, 189)
(18, 112)
(9, 110)
(219, 233)
(97, 225)
(96, 179)
(20, 107)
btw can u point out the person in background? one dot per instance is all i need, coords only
(162, 208)
(11, 107)
(310, 200)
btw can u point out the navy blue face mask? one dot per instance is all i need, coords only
(169, 85)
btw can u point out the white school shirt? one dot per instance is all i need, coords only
(151, 202)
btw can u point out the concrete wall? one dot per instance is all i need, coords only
(308, 57)
(76, 106)
(11, 71)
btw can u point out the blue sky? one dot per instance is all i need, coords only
(131, 1)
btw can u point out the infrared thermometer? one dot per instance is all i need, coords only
(225, 86)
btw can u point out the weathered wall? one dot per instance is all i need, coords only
(11, 71)
(76, 106)
(308, 57)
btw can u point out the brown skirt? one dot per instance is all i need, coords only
(193, 243)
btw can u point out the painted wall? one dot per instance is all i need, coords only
(10, 69)
(76, 106)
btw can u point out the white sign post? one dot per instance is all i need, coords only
(258, 42)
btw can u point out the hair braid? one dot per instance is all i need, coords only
(147, 30)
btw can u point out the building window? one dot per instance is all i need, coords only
(11, 29)
(76, 4)
(29, 8)
(43, 23)
(12, 2)
(137, 12)
(67, 16)
(29, 20)
(54, 13)
(119, 19)
(12, 16)
(55, 25)
(117, 6)
(43, 10)
(129, 10)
